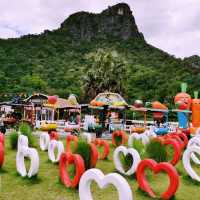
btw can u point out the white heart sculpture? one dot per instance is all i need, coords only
(44, 141)
(118, 165)
(103, 181)
(22, 142)
(52, 145)
(24, 151)
(136, 136)
(187, 164)
(87, 136)
(150, 133)
(195, 141)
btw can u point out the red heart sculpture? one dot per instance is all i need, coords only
(183, 137)
(156, 168)
(119, 133)
(70, 138)
(1, 149)
(105, 145)
(1, 154)
(2, 138)
(94, 155)
(177, 138)
(65, 160)
(176, 147)
(54, 135)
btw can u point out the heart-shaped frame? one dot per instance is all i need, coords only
(156, 168)
(1, 154)
(135, 136)
(44, 141)
(54, 135)
(103, 181)
(195, 141)
(69, 139)
(51, 154)
(2, 139)
(67, 159)
(105, 145)
(186, 161)
(117, 162)
(176, 147)
(94, 155)
(122, 134)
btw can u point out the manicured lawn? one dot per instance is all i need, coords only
(46, 186)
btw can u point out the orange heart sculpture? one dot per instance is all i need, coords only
(105, 145)
(69, 139)
(121, 134)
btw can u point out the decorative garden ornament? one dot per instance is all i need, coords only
(118, 165)
(120, 183)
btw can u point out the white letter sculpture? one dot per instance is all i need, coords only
(52, 145)
(44, 141)
(187, 164)
(24, 151)
(118, 165)
(103, 181)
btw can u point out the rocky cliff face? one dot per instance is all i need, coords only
(116, 21)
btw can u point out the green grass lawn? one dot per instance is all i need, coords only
(46, 186)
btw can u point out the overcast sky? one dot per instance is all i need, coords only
(172, 25)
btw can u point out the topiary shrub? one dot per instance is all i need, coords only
(84, 150)
(13, 138)
(118, 140)
(156, 151)
(138, 145)
(127, 161)
(26, 130)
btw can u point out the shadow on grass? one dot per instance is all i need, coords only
(145, 194)
(30, 181)
(187, 179)
(3, 171)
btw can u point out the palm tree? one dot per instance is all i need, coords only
(107, 72)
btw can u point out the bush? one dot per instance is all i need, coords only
(138, 145)
(156, 151)
(13, 138)
(84, 150)
(127, 161)
(118, 140)
(26, 130)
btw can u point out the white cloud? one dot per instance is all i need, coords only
(172, 25)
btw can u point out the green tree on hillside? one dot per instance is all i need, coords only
(107, 72)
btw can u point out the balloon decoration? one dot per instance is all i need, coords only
(69, 139)
(117, 162)
(120, 183)
(31, 153)
(44, 141)
(106, 148)
(186, 161)
(52, 99)
(156, 168)
(51, 148)
(121, 134)
(67, 159)
(1, 149)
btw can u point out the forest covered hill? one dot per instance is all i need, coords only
(55, 62)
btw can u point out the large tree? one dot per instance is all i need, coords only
(106, 72)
